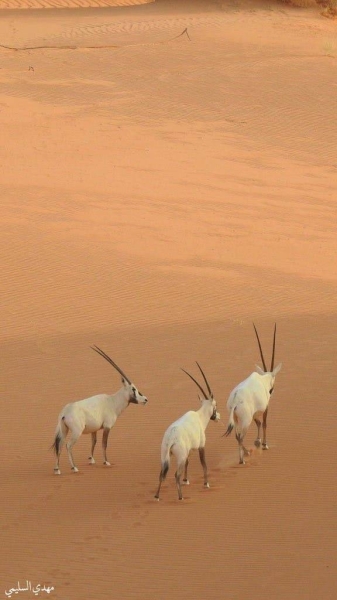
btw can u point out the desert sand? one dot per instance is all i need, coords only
(159, 193)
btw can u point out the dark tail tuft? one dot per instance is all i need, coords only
(56, 444)
(165, 469)
(229, 430)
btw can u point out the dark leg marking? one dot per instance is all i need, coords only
(105, 444)
(93, 444)
(264, 427)
(258, 439)
(242, 450)
(177, 476)
(185, 480)
(204, 466)
(162, 476)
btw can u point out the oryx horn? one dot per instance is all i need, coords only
(198, 384)
(204, 376)
(258, 341)
(99, 351)
(273, 355)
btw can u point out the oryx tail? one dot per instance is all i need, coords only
(166, 456)
(60, 434)
(231, 422)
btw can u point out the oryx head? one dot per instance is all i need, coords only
(135, 397)
(206, 398)
(273, 371)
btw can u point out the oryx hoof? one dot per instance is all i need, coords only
(186, 482)
(107, 464)
(206, 485)
(265, 447)
(91, 460)
(242, 462)
(257, 443)
(74, 469)
(246, 452)
(157, 498)
(57, 472)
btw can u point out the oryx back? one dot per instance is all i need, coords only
(249, 396)
(184, 434)
(89, 415)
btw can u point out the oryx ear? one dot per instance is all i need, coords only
(200, 398)
(277, 369)
(124, 382)
(259, 370)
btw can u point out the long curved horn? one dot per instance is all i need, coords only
(195, 381)
(204, 376)
(99, 351)
(258, 341)
(273, 355)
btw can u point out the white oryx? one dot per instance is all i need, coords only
(186, 434)
(249, 400)
(92, 414)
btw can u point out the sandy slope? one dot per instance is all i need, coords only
(156, 197)
(42, 4)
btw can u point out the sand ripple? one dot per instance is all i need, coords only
(38, 4)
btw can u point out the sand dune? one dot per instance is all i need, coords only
(43, 4)
(160, 192)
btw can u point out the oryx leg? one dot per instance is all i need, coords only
(106, 432)
(178, 474)
(74, 437)
(59, 448)
(185, 480)
(264, 427)
(58, 443)
(242, 450)
(93, 444)
(162, 475)
(204, 466)
(258, 439)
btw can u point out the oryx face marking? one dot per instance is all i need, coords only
(135, 396)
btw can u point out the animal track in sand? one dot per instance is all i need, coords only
(94, 47)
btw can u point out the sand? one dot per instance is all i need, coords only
(159, 192)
